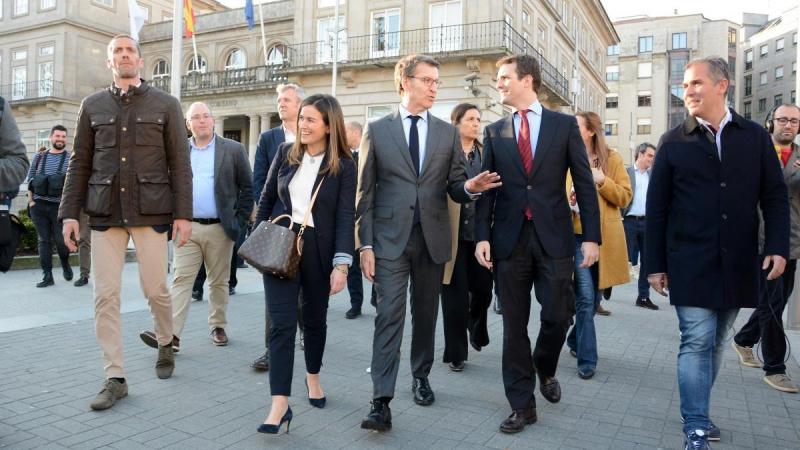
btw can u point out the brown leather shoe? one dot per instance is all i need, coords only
(218, 337)
(517, 420)
(602, 311)
(149, 338)
(550, 389)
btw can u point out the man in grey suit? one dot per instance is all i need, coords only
(222, 190)
(634, 217)
(409, 162)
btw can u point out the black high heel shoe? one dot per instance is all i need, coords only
(273, 429)
(316, 402)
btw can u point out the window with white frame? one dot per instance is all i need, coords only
(779, 73)
(19, 55)
(19, 82)
(643, 126)
(748, 59)
(779, 45)
(329, 3)
(644, 98)
(199, 66)
(46, 50)
(445, 20)
(236, 60)
(146, 10)
(276, 55)
(645, 70)
(46, 4)
(762, 78)
(385, 33)
(526, 17)
(611, 128)
(612, 50)
(161, 69)
(45, 79)
(375, 112)
(42, 139)
(106, 3)
(645, 44)
(678, 40)
(764, 50)
(326, 32)
(20, 7)
(612, 73)
(612, 101)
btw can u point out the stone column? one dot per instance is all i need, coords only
(264, 122)
(254, 133)
(219, 125)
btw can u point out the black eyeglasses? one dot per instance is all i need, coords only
(785, 120)
(428, 81)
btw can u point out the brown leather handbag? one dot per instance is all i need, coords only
(275, 249)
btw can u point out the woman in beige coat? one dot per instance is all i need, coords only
(613, 192)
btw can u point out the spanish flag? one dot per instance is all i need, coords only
(188, 18)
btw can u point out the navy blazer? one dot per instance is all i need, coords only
(500, 212)
(333, 212)
(267, 147)
(702, 218)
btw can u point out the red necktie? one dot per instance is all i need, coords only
(524, 148)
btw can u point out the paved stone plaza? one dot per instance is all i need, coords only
(51, 368)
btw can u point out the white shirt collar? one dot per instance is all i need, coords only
(404, 113)
(725, 121)
(535, 107)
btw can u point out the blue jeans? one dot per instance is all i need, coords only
(703, 332)
(582, 338)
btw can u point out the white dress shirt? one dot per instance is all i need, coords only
(288, 135)
(302, 187)
(640, 193)
(718, 136)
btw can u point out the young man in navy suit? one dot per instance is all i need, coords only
(524, 231)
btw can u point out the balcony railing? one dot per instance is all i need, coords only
(31, 91)
(495, 38)
(197, 83)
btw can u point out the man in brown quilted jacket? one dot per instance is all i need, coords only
(131, 173)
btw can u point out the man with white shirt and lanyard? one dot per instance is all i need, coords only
(289, 97)
(634, 217)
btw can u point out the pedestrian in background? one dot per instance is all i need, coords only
(634, 218)
(613, 192)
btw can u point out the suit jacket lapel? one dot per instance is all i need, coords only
(508, 140)
(431, 141)
(399, 135)
(547, 129)
(219, 157)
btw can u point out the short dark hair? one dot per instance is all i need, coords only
(58, 128)
(406, 67)
(642, 149)
(526, 65)
(109, 49)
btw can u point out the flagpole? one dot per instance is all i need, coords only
(177, 50)
(263, 35)
(335, 47)
(196, 59)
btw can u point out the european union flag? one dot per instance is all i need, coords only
(248, 14)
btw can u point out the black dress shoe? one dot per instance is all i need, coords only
(352, 313)
(457, 366)
(81, 281)
(261, 363)
(517, 420)
(379, 417)
(550, 389)
(47, 280)
(646, 303)
(67, 272)
(423, 394)
(197, 296)
(475, 345)
(231, 290)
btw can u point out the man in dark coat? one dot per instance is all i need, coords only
(710, 174)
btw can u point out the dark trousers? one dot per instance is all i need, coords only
(281, 297)
(766, 322)
(465, 302)
(355, 285)
(634, 237)
(529, 266)
(391, 284)
(45, 217)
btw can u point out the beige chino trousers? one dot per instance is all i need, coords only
(108, 259)
(211, 245)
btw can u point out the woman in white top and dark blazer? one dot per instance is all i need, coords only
(320, 155)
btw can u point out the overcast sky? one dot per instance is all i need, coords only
(712, 9)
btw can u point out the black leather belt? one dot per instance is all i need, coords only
(206, 221)
(635, 217)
